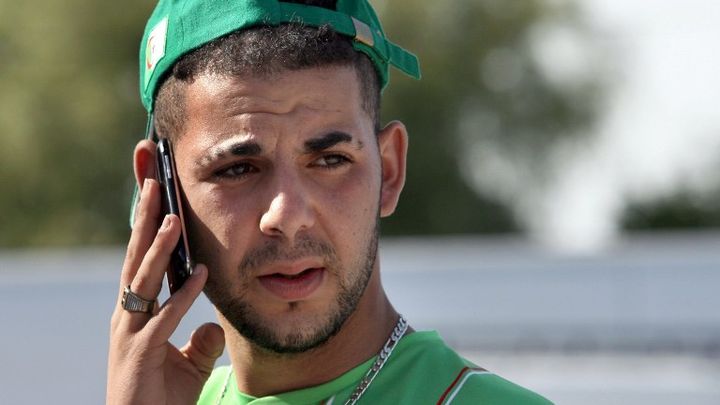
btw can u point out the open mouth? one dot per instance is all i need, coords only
(293, 286)
(302, 274)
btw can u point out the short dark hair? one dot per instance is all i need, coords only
(261, 52)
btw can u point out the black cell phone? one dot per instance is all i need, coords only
(180, 267)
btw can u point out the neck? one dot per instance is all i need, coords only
(260, 373)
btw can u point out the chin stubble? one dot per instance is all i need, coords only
(248, 322)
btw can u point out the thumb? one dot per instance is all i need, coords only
(205, 346)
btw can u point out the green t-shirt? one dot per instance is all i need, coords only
(421, 370)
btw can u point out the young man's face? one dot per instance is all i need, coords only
(285, 181)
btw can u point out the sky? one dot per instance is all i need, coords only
(658, 128)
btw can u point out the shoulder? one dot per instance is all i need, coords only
(476, 385)
(436, 371)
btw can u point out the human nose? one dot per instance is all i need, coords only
(289, 212)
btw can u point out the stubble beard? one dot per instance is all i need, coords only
(251, 325)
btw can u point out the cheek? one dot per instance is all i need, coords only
(350, 207)
(352, 194)
(216, 227)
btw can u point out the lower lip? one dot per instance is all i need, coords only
(296, 288)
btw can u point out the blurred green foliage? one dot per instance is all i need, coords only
(454, 40)
(679, 210)
(70, 113)
(69, 118)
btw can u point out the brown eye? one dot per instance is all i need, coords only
(236, 171)
(332, 161)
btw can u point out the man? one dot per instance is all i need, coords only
(272, 111)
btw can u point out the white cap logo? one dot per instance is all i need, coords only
(155, 48)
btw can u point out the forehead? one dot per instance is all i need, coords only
(291, 102)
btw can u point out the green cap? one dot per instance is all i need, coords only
(176, 27)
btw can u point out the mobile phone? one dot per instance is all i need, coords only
(180, 267)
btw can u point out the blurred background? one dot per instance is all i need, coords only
(563, 189)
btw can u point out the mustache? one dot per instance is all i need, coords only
(274, 251)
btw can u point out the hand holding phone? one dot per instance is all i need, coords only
(144, 367)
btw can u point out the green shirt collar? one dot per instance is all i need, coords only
(318, 393)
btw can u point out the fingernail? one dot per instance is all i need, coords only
(145, 187)
(165, 224)
(199, 268)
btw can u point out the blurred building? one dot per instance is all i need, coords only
(637, 324)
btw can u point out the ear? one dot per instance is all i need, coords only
(393, 144)
(144, 161)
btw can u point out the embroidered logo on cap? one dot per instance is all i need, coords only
(155, 48)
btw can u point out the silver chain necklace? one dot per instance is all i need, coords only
(382, 358)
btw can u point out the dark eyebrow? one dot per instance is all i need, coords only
(243, 148)
(247, 148)
(326, 141)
